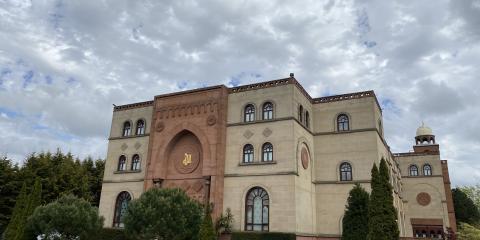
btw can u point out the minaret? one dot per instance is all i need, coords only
(425, 140)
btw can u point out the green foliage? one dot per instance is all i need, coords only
(263, 236)
(58, 174)
(382, 213)
(206, 228)
(61, 174)
(67, 218)
(473, 192)
(224, 223)
(467, 232)
(111, 234)
(163, 214)
(9, 188)
(355, 220)
(15, 228)
(465, 209)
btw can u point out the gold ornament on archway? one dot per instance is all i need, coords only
(187, 160)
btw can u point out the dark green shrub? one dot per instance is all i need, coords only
(112, 234)
(262, 236)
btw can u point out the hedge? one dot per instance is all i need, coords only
(262, 236)
(112, 234)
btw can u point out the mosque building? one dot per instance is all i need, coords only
(281, 160)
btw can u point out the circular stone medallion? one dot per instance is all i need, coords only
(305, 158)
(160, 126)
(423, 198)
(186, 158)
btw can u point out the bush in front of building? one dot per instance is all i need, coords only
(263, 236)
(112, 234)
(467, 232)
(68, 218)
(163, 214)
(207, 232)
(355, 220)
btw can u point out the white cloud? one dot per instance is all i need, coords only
(420, 58)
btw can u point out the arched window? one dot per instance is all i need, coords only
(120, 208)
(307, 119)
(248, 153)
(300, 114)
(267, 111)
(343, 123)
(135, 162)
(257, 210)
(140, 127)
(345, 172)
(413, 170)
(427, 170)
(267, 150)
(127, 129)
(122, 163)
(249, 113)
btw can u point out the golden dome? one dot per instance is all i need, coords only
(424, 130)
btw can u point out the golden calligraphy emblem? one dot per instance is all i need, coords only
(187, 160)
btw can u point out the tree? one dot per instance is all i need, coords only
(163, 214)
(355, 220)
(224, 223)
(465, 210)
(206, 228)
(473, 192)
(15, 226)
(382, 213)
(467, 232)
(68, 218)
(61, 174)
(26, 205)
(9, 189)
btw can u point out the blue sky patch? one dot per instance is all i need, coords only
(370, 44)
(9, 113)
(56, 133)
(48, 80)
(389, 105)
(28, 78)
(237, 80)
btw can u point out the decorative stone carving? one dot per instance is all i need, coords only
(160, 126)
(124, 147)
(197, 186)
(248, 134)
(305, 157)
(267, 132)
(211, 120)
(423, 198)
(183, 110)
(186, 159)
(137, 145)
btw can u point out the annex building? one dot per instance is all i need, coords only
(281, 160)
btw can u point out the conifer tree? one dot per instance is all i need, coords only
(206, 228)
(9, 189)
(382, 213)
(355, 220)
(15, 225)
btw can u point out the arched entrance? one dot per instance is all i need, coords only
(185, 160)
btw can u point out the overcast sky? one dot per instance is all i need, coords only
(64, 63)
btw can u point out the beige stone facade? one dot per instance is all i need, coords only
(281, 160)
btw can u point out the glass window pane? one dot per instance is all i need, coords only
(265, 214)
(257, 212)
